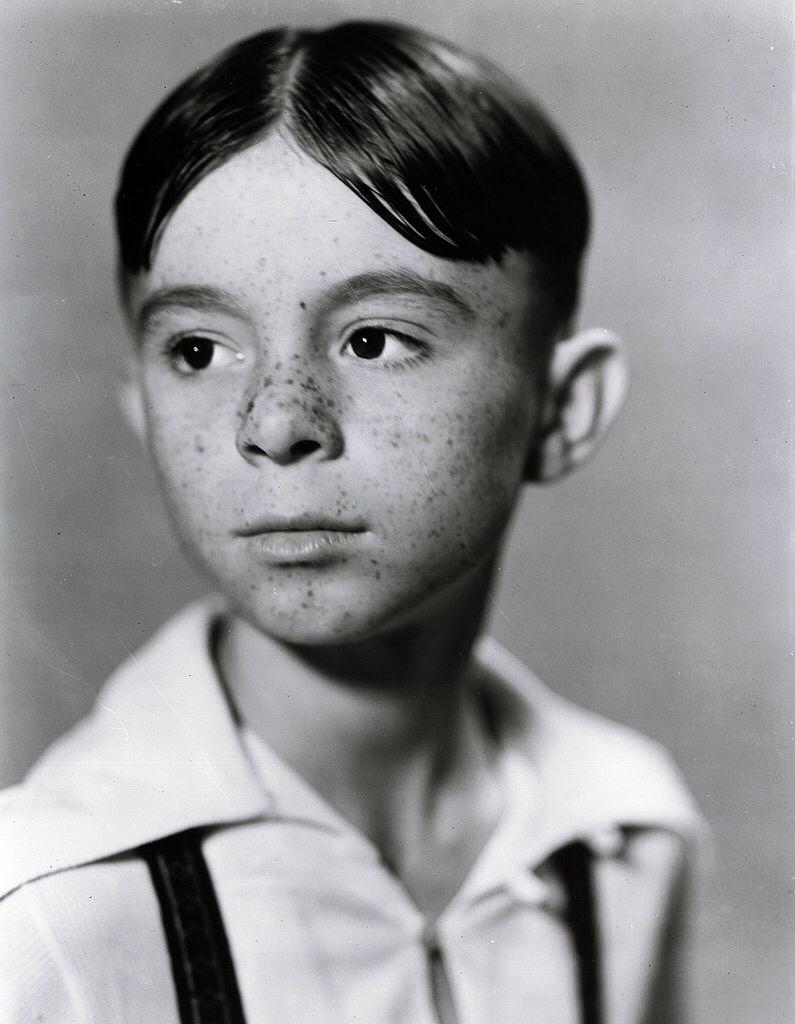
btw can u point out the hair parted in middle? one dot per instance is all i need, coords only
(440, 144)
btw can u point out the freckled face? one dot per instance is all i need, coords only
(339, 420)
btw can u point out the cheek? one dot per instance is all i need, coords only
(458, 462)
(478, 433)
(187, 451)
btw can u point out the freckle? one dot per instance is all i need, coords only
(302, 305)
(249, 406)
(289, 380)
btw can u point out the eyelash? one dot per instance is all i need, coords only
(420, 349)
(177, 360)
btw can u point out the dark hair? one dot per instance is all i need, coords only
(441, 145)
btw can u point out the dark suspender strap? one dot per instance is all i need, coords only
(204, 975)
(574, 866)
(201, 962)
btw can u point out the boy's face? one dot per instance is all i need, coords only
(339, 420)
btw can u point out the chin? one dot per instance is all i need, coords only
(315, 629)
(341, 617)
(307, 606)
(314, 619)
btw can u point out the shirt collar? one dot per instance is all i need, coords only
(593, 775)
(160, 753)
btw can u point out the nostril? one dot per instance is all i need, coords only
(305, 447)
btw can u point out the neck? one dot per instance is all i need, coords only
(381, 727)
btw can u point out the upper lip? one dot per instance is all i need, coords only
(301, 523)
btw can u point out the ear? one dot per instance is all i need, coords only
(131, 400)
(586, 386)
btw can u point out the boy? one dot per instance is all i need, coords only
(349, 260)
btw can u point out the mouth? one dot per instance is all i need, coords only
(305, 539)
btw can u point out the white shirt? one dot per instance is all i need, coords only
(319, 928)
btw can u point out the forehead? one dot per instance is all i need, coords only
(272, 223)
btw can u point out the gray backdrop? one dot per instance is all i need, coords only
(652, 586)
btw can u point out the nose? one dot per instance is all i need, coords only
(287, 421)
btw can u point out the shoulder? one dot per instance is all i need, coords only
(158, 754)
(594, 774)
(620, 793)
(65, 940)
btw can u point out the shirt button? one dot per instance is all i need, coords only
(430, 939)
(608, 842)
(526, 887)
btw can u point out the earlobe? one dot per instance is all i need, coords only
(585, 390)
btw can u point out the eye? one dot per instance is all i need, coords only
(389, 348)
(193, 353)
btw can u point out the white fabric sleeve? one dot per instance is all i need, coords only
(34, 983)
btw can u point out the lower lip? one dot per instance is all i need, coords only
(291, 547)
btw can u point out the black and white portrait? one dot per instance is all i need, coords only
(395, 560)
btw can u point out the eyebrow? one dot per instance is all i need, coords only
(207, 298)
(202, 297)
(395, 282)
